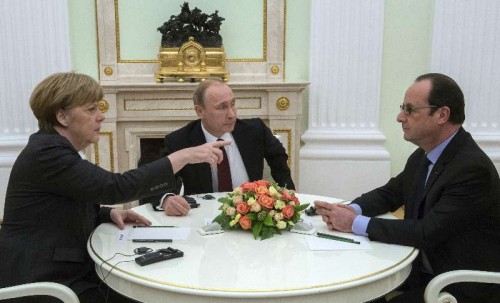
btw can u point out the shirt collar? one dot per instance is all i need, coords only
(211, 138)
(434, 154)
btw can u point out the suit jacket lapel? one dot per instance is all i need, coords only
(448, 153)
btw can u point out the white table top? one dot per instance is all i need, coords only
(232, 266)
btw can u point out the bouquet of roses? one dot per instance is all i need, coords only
(262, 206)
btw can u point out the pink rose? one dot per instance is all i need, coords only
(286, 195)
(262, 190)
(245, 222)
(248, 186)
(266, 201)
(243, 208)
(288, 211)
(262, 183)
(237, 200)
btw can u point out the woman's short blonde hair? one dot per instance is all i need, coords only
(62, 91)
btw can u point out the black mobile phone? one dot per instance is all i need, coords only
(192, 201)
(311, 211)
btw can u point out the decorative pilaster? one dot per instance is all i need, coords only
(343, 144)
(465, 47)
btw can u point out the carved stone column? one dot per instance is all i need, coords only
(343, 154)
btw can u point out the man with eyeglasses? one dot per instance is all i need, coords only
(449, 188)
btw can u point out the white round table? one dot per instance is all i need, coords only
(234, 267)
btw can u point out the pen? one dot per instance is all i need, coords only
(337, 238)
(137, 226)
(151, 240)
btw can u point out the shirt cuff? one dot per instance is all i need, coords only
(160, 204)
(356, 208)
(360, 224)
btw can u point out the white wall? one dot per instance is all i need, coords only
(344, 147)
(466, 44)
(34, 44)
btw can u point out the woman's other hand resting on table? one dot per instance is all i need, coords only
(120, 217)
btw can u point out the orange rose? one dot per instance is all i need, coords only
(296, 200)
(243, 208)
(266, 201)
(262, 190)
(245, 222)
(288, 211)
(262, 183)
(248, 186)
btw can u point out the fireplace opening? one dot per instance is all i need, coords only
(151, 150)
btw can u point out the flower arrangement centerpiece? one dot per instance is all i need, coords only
(260, 206)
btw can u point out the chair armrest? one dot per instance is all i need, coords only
(52, 289)
(433, 293)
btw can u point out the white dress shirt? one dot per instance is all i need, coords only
(238, 171)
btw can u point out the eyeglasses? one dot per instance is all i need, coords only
(408, 108)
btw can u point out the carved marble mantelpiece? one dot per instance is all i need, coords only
(150, 110)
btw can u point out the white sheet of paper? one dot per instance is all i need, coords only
(122, 235)
(316, 243)
(160, 233)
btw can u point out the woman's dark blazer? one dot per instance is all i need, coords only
(53, 204)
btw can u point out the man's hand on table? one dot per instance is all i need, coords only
(175, 206)
(335, 215)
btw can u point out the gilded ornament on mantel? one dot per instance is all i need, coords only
(103, 106)
(191, 47)
(283, 103)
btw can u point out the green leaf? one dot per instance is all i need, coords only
(300, 207)
(256, 228)
(268, 231)
(226, 200)
(252, 216)
(223, 220)
(249, 194)
(268, 221)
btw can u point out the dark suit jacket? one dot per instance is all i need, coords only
(52, 206)
(460, 228)
(255, 142)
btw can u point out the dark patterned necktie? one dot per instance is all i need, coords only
(224, 172)
(420, 188)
